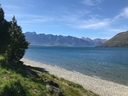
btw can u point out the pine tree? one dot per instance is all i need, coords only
(18, 44)
(4, 34)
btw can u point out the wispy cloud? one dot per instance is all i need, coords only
(13, 8)
(91, 2)
(88, 2)
(92, 23)
(81, 19)
(95, 22)
(124, 14)
(116, 30)
(84, 19)
(35, 20)
(23, 17)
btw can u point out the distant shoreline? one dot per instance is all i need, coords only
(97, 85)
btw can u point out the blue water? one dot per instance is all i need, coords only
(106, 63)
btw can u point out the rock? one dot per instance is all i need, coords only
(53, 87)
(50, 82)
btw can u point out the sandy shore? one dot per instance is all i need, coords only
(97, 85)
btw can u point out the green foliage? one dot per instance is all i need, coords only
(1, 57)
(15, 81)
(4, 34)
(16, 48)
(21, 80)
(68, 88)
(12, 88)
(72, 84)
(12, 41)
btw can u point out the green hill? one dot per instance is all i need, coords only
(119, 40)
(17, 79)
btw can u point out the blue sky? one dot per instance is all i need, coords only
(80, 18)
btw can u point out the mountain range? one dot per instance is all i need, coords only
(119, 40)
(59, 40)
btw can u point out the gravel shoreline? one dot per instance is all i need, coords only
(97, 85)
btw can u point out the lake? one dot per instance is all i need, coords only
(105, 63)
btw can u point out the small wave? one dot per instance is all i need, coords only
(95, 76)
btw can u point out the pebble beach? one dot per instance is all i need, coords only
(97, 85)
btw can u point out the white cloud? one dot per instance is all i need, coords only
(33, 19)
(22, 16)
(29, 18)
(13, 8)
(99, 1)
(116, 30)
(75, 19)
(124, 13)
(88, 2)
(83, 19)
(91, 2)
(92, 23)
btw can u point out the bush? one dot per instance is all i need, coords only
(12, 41)
(18, 44)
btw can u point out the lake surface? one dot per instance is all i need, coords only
(106, 63)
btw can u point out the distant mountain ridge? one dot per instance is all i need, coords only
(119, 40)
(59, 40)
